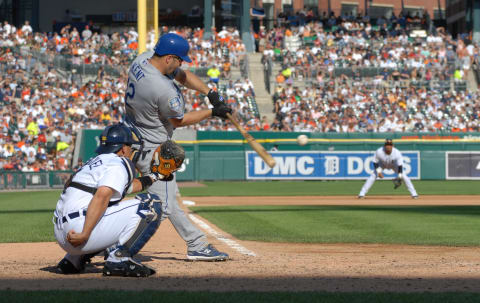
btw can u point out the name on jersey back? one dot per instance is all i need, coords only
(137, 71)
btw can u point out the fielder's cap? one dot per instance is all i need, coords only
(388, 141)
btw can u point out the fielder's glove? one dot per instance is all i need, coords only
(214, 98)
(397, 182)
(167, 159)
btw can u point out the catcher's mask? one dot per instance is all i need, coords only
(167, 158)
(115, 136)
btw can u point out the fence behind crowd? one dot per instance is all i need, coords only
(67, 63)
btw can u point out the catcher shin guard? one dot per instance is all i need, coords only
(150, 211)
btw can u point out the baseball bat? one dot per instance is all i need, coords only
(254, 144)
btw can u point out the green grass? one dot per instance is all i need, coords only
(328, 188)
(26, 216)
(114, 296)
(422, 225)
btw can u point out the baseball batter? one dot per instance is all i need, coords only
(91, 216)
(387, 157)
(155, 106)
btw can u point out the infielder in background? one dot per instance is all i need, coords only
(91, 216)
(388, 157)
(155, 106)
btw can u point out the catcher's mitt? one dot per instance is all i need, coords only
(167, 158)
(396, 183)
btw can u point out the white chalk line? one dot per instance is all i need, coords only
(231, 243)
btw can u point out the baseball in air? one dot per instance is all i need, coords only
(302, 140)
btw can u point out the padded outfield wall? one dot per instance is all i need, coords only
(223, 155)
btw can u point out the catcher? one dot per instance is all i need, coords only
(91, 216)
(388, 157)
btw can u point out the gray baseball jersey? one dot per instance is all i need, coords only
(388, 161)
(152, 98)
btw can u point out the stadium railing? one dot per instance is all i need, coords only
(33, 180)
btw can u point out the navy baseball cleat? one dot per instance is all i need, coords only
(208, 253)
(129, 268)
(66, 267)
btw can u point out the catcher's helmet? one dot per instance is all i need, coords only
(388, 141)
(115, 136)
(173, 44)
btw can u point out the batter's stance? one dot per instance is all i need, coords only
(387, 157)
(90, 216)
(155, 106)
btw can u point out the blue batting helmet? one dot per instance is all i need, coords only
(173, 44)
(115, 136)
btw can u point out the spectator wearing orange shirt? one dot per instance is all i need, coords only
(226, 72)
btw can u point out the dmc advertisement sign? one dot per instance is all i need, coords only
(462, 165)
(324, 166)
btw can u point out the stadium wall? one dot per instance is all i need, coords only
(222, 155)
(331, 156)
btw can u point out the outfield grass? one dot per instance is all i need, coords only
(26, 216)
(328, 188)
(420, 225)
(114, 296)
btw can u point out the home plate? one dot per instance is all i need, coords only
(188, 203)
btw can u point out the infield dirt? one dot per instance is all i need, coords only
(276, 266)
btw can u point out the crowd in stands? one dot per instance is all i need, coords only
(41, 109)
(348, 75)
(371, 109)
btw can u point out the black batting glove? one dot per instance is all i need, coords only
(214, 98)
(221, 111)
(168, 178)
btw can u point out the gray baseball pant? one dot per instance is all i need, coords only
(193, 236)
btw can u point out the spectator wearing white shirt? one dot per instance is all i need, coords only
(26, 28)
(86, 33)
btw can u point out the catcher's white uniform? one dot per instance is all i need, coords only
(384, 161)
(121, 218)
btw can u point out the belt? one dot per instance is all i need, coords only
(73, 215)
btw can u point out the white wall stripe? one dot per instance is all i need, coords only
(231, 243)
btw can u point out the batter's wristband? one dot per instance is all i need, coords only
(146, 182)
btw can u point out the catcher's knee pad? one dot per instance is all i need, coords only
(150, 212)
